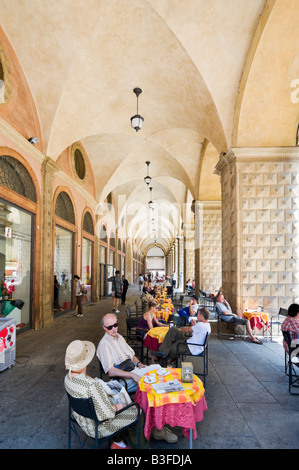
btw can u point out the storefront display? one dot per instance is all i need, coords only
(15, 264)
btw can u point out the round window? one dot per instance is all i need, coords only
(79, 164)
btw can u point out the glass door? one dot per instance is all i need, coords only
(63, 266)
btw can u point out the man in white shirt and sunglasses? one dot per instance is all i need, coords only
(112, 351)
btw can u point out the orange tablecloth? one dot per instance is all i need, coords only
(257, 319)
(193, 392)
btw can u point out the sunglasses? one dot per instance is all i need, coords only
(112, 326)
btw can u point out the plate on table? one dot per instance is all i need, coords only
(162, 371)
(150, 379)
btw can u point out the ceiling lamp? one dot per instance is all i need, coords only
(147, 179)
(137, 120)
(150, 203)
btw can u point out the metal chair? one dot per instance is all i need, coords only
(204, 355)
(85, 407)
(129, 312)
(293, 368)
(276, 320)
(138, 307)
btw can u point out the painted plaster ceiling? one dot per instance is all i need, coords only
(201, 67)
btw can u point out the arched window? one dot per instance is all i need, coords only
(13, 175)
(64, 208)
(88, 223)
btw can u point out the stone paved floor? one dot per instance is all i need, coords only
(249, 406)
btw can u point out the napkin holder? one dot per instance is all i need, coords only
(187, 372)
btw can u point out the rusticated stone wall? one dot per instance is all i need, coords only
(208, 252)
(260, 227)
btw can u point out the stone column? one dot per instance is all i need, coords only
(189, 256)
(180, 242)
(260, 227)
(129, 260)
(49, 168)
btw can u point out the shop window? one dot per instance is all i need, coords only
(13, 175)
(87, 267)
(15, 264)
(63, 262)
(64, 208)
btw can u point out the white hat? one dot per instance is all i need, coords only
(79, 354)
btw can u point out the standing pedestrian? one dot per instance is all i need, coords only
(141, 281)
(117, 287)
(78, 290)
(124, 291)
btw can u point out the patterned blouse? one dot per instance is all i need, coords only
(83, 386)
(291, 325)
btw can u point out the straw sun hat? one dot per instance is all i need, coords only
(79, 354)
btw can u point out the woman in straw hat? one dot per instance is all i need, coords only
(79, 385)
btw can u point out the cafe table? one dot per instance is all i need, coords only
(181, 408)
(155, 337)
(257, 319)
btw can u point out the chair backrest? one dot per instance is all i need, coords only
(128, 311)
(83, 406)
(131, 323)
(287, 338)
(283, 311)
(206, 339)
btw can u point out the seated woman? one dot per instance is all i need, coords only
(149, 319)
(80, 385)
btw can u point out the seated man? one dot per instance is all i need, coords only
(112, 351)
(199, 330)
(193, 306)
(291, 324)
(145, 288)
(225, 313)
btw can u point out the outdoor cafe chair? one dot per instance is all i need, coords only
(277, 320)
(293, 367)
(85, 407)
(181, 353)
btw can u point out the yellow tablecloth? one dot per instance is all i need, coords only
(192, 392)
(159, 332)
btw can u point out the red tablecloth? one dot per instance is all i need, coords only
(152, 341)
(257, 319)
(185, 415)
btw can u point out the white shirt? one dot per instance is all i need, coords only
(199, 333)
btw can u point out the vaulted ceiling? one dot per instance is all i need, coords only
(213, 73)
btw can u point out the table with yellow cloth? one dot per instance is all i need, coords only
(155, 337)
(167, 308)
(257, 319)
(183, 408)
